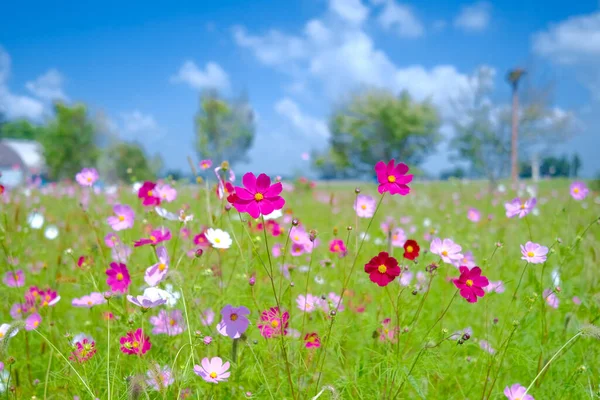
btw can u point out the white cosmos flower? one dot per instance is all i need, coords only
(35, 220)
(185, 218)
(136, 187)
(274, 215)
(555, 277)
(79, 338)
(218, 238)
(51, 232)
(166, 214)
(364, 236)
(501, 188)
(155, 294)
(4, 329)
(174, 295)
(426, 222)
(4, 380)
(319, 280)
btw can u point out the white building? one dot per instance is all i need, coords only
(20, 159)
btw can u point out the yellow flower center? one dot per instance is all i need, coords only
(336, 247)
(161, 267)
(89, 302)
(217, 240)
(150, 193)
(16, 277)
(153, 238)
(119, 276)
(213, 375)
(1, 335)
(445, 253)
(530, 254)
(469, 282)
(89, 178)
(45, 303)
(172, 322)
(258, 196)
(523, 206)
(233, 317)
(409, 249)
(364, 206)
(576, 190)
(121, 218)
(135, 344)
(36, 323)
(391, 178)
(274, 323)
(395, 237)
(382, 269)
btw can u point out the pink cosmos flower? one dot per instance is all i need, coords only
(121, 253)
(48, 297)
(258, 196)
(578, 190)
(517, 392)
(449, 251)
(118, 277)
(337, 246)
(156, 236)
(392, 178)
(123, 218)
(273, 322)
(365, 206)
(111, 240)
(534, 253)
(32, 322)
(234, 321)
(519, 207)
(207, 317)
(135, 342)
(157, 272)
(201, 240)
(312, 340)
(148, 193)
(398, 237)
(297, 249)
(307, 303)
(473, 215)
(17, 310)
(146, 302)
(213, 370)
(471, 283)
(387, 332)
(406, 278)
(84, 350)
(576, 301)
(205, 164)
(170, 323)
(387, 225)
(166, 193)
(87, 177)
(90, 300)
(468, 261)
(551, 298)
(495, 287)
(14, 279)
(276, 250)
(485, 345)
(159, 378)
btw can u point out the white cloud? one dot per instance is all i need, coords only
(475, 17)
(136, 125)
(302, 123)
(351, 11)
(401, 19)
(212, 77)
(48, 86)
(572, 41)
(14, 105)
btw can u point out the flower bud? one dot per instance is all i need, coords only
(332, 313)
(466, 336)
(207, 340)
(198, 252)
(252, 280)
(357, 190)
(312, 235)
(227, 207)
(225, 165)
(349, 228)
(295, 222)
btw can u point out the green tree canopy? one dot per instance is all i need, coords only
(224, 129)
(20, 129)
(69, 141)
(129, 162)
(378, 125)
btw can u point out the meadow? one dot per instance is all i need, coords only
(210, 291)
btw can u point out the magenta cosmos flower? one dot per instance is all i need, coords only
(471, 283)
(474, 215)
(84, 350)
(578, 190)
(519, 207)
(337, 246)
(205, 164)
(392, 178)
(118, 277)
(87, 177)
(234, 321)
(14, 279)
(213, 370)
(123, 218)
(449, 251)
(365, 206)
(312, 340)
(90, 300)
(273, 322)
(382, 269)
(148, 194)
(157, 272)
(156, 236)
(258, 196)
(135, 343)
(534, 253)
(517, 392)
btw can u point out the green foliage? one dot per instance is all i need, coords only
(129, 162)
(20, 129)
(69, 141)
(378, 125)
(224, 129)
(554, 167)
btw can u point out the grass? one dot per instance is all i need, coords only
(422, 361)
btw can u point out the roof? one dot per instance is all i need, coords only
(31, 153)
(8, 157)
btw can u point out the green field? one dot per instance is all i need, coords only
(356, 359)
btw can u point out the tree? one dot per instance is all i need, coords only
(378, 125)
(483, 128)
(224, 129)
(20, 129)
(129, 162)
(69, 141)
(575, 165)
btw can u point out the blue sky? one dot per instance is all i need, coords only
(141, 65)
